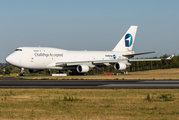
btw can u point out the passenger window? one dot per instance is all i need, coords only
(36, 50)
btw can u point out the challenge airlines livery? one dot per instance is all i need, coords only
(79, 62)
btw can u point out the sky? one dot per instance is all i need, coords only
(89, 24)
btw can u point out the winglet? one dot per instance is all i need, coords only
(170, 57)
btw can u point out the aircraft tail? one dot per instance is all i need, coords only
(127, 41)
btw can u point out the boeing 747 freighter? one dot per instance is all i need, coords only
(79, 62)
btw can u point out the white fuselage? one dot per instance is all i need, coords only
(77, 61)
(46, 58)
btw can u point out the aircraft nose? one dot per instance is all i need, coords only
(9, 59)
(13, 59)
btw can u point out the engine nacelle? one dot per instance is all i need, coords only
(120, 66)
(82, 68)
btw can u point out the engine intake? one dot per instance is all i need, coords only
(82, 68)
(120, 66)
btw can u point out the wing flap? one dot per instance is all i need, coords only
(96, 62)
(62, 64)
(107, 61)
(135, 60)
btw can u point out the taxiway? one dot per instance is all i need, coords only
(89, 84)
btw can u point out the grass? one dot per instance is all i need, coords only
(80, 104)
(160, 74)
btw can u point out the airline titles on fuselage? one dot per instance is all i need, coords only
(61, 55)
(111, 56)
(48, 55)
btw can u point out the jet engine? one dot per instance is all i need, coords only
(82, 68)
(120, 66)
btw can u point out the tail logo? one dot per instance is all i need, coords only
(128, 40)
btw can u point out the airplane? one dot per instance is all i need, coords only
(79, 62)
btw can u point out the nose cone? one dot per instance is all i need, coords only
(9, 59)
(12, 59)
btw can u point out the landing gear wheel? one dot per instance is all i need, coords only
(22, 72)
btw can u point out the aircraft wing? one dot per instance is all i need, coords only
(135, 60)
(99, 62)
(96, 62)
(71, 63)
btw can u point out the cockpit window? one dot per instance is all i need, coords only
(18, 49)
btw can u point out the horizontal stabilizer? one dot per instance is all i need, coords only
(132, 55)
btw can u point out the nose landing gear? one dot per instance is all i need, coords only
(22, 73)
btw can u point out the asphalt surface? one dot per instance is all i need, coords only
(11, 82)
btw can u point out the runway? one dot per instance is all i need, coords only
(11, 82)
